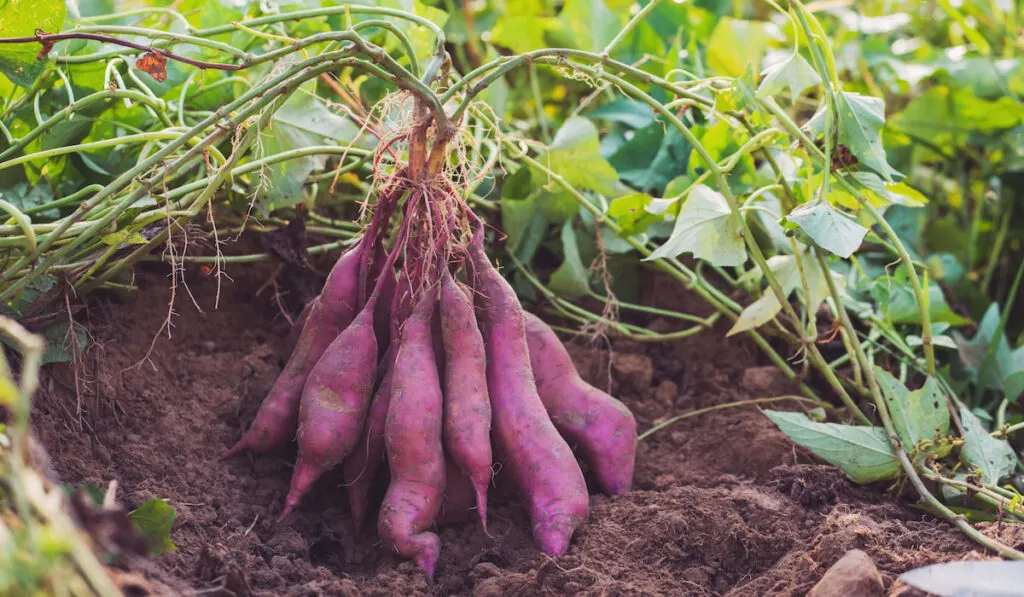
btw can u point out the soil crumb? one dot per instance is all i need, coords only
(724, 504)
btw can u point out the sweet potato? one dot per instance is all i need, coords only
(413, 438)
(361, 467)
(541, 462)
(467, 409)
(602, 426)
(334, 404)
(277, 419)
(459, 496)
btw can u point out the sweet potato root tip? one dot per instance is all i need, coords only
(304, 476)
(602, 426)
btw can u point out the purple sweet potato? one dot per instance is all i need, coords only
(541, 462)
(277, 419)
(459, 496)
(360, 468)
(413, 438)
(334, 404)
(467, 409)
(601, 425)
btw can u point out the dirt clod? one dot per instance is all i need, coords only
(723, 504)
(854, 575)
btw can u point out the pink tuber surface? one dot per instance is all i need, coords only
(603, 426)
(542, 464)
(467, 408)
(413, 439)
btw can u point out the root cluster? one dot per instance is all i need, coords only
(421, 356)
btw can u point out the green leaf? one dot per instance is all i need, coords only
(652, 158)
(523, 25)
(863, 453)
(706, 228)
(898, 303)
(575, 154)
(570, 280)
(734, 45)
(25, 197)
(899, 193)
(631, 213)
(787, 272)
(631, 113)
(861, 119)
(154, 520)
(994, 458)
(591, 22)
(302, 121)
(794, 72)
(974, 351)
(918, 415)
(829, 228)
(123, 237)
(21, 18)
(557, 206)
(62, 347)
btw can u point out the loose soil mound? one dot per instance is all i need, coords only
(723, 503)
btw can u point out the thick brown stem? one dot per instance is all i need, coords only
(418, 143)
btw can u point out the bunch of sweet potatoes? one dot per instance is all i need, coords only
(422, 357)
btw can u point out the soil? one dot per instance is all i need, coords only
(723, 503)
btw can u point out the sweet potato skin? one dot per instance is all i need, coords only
(334, 404)
(467, 407)
(541, 462)
(361, 467)
(602, 426)
(278, 416)
(412, 435)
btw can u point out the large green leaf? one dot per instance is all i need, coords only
(21, 18)
(652, 157)
(302, 121)
(575, 154)
(1006, 369)
(571, 279)
(787, 273)
(829, 228)
(522, 27)
(591, 22)
(863, 453)
(705, 227)
(794, 73)
(735, 45)
(861, 119)
(918, 415)
(993, 458)
(898, 303)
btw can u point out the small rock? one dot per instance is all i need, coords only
(762, 379)
(678, 438)
(666, 393)
(288, 541)
(486, 570)
(634, 371)
(663, 482)
(854, 575)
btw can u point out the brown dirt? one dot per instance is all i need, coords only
(723, 504)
